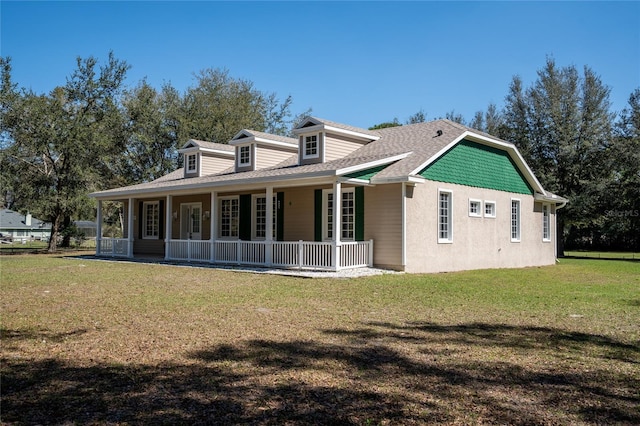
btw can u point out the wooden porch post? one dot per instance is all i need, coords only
(130, 228)
(268, 254)
(337, 226)
(212, 224)
(168, 223)
(99, 228)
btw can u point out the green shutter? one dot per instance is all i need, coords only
(245, 217)
(317, 215)
(140, 221)
(359, 213)
(280, 216)
(161, 220)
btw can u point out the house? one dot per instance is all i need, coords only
(427, 197)
(86, 228)
(17, 226)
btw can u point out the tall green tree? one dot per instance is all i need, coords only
(151, 125)
(219, 106)
(622, 224)
(55, 145)
(562, 125)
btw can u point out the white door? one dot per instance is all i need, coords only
(191, 221)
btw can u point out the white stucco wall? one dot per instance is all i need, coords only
(478, 242)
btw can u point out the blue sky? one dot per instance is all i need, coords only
(358, 63)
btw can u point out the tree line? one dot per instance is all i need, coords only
(93, 133)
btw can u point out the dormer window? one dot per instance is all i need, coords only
(244, 159)
(192, 163)
(311, 146)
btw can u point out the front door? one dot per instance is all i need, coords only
(191, 221)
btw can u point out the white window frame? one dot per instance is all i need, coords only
(155, 225)
(327, 211)
(491, 215)
(348, 218)
(188, 158)
(478, 203)
(448, 237)
(515, 223)
(254, 217)
(304, 146)
(221, 201)
(244, 149)
(546, 223)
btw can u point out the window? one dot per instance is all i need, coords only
(490, 209)
(192, 163)
(515, 220)
(151, 220)
(245, 155)
(475, 208)
(229, 217)
(546, 229)
(347, 215)
(260, 217)
(310, 146)
(445, 231)
(329, 207)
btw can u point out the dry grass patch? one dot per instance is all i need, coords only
(116, 343)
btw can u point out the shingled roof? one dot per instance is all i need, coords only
(405, 149)
(10, 219)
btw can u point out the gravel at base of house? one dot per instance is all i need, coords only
(344, 273)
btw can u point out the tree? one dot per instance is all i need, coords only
(418, 117)
(384, 125)
(54, 145)
(219, 106)
(151, 121)
(622, 224)
(562, 125)
(490, 121)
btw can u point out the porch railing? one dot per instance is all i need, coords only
(191, 250)
(282, 254)
(113, 246)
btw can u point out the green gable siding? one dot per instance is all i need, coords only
(368, 173)
(473, 164)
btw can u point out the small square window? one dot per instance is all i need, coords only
(192, 163)
(311, 146)
(475, 208)
(490, 209)
(245, 155)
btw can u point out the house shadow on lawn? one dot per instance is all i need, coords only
(380, 373)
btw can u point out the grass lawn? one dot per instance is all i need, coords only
(92, 342)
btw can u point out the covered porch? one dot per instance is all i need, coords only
(246, 227)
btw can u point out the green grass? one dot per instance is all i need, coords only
(112, 342)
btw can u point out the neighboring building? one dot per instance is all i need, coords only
(86, 228)
(426, 197)
(16, 226)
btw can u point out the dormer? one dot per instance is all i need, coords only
(206, 158)
(322, 140)
(258, 150)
